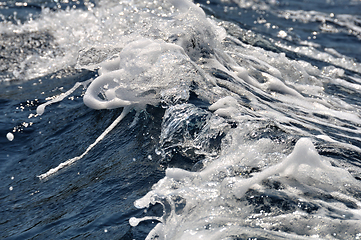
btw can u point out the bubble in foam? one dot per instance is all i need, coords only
(133, 221)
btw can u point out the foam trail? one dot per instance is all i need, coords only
(52, 171)
(40, 109)
(303, 153)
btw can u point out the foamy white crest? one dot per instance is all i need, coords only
(147, 69)
(136, 76)
(132, 80)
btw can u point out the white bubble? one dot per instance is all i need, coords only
(133, 221)
(282, 34)
(10, 136)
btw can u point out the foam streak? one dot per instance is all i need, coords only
(52, 171)
(40, 109)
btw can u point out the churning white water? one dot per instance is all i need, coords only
(271, 114)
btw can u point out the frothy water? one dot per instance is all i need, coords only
(257, 105)
(221, 200)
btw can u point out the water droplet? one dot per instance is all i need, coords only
(10, 136)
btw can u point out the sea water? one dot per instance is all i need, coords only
(175, 119)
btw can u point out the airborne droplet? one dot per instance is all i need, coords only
(10, 136)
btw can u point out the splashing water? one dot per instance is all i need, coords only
(256, 122)
(132, 80)
(145, 72)
(205, 204)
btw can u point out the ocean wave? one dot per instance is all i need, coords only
(259, 137)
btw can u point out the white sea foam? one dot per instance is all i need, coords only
(41, 108)
(153, 52)
(343, 61)
(140, 75)
(216, 207)
(214, 201)
(137, 76)
(145, 70)
(344, 22)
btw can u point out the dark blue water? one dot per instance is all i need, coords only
(94, 198)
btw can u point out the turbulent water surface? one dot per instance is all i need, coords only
(174, 119)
